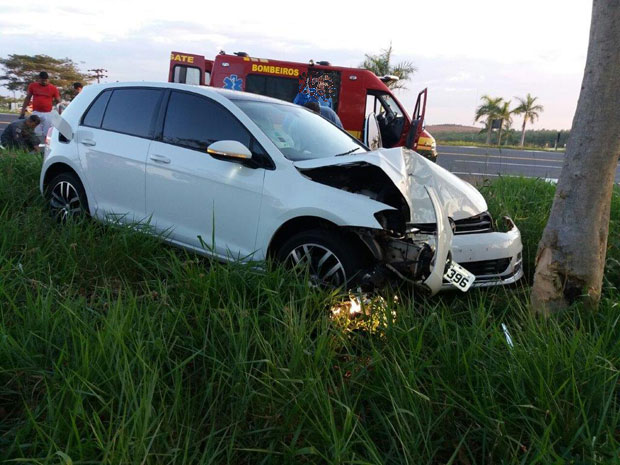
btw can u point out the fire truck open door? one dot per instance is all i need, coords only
(417, 121)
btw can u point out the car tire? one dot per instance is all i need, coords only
(333, 259)
(66, 197)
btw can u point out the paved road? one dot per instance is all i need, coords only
(482, 162)
(6, 119)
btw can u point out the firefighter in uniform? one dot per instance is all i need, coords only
(20, 134)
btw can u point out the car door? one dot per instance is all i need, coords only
(199, 200)
(113, 140)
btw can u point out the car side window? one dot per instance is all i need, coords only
(94, 114)
(131, 111)
(196, 122)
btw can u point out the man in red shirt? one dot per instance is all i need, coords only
(43, 95)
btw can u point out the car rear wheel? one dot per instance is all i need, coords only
(331, 259)
(66, 197)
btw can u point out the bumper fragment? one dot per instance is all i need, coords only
(494, 257)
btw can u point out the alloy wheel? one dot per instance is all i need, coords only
(65, 201)
(324, 266)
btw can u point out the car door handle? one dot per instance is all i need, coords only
(160, 159)
(89, 142)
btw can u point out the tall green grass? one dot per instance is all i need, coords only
(115, 348)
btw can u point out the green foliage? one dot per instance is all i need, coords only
(381, 66)
(21, 70)
(115, 348)
(534, 138)
(505, 115)
(5, 102)
(489, 109)
(530, 111)
(497, 108)
(528, 108)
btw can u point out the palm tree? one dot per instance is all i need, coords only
(505, 114)
(490, 108)
(380, 65)
(529, 111)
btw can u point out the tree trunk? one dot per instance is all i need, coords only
(499, 134)
(571, 255)
(523, 131)
(489, 124)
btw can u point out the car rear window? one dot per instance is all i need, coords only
(94, 114)
(132, 111)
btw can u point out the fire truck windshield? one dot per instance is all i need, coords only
(389, 104)
(299, 133)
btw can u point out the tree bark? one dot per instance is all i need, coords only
(523, 132)
(489, 123)
(499, 135)
(571, 255)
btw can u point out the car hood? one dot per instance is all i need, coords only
(411, 173)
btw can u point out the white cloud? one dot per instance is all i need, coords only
(462, 49)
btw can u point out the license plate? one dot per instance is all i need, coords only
(459, 277)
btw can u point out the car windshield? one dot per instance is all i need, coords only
(299, 133)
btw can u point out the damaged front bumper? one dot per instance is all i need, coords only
(413, 259)
(496, 258)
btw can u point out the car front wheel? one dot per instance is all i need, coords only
(66, 197)
(331, 259)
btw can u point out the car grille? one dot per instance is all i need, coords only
(476, 224)
(481, 223)
(487, 267)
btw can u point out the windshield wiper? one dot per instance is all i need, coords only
(347, 153)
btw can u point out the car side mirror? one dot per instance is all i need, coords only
(229, 149)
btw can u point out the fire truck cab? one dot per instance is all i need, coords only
(365, 105)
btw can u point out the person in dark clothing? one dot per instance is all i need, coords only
(326, 112)
(20, 134)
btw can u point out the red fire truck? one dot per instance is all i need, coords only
(362, 100)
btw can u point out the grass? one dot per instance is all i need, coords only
(469, 143)
(117, 349)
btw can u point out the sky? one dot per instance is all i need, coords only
(462, 49)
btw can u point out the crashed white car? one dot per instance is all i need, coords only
(244, 177)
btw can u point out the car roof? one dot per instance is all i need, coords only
(204, 90)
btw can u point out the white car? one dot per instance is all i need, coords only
(244, 177)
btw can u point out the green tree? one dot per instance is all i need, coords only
(21, 70)
(5, 102)
(380, 65)
(489, 110)
(505, 115)
(570, 261)
(529, 110)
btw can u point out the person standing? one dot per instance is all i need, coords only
(68, 98)
(43, 95)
